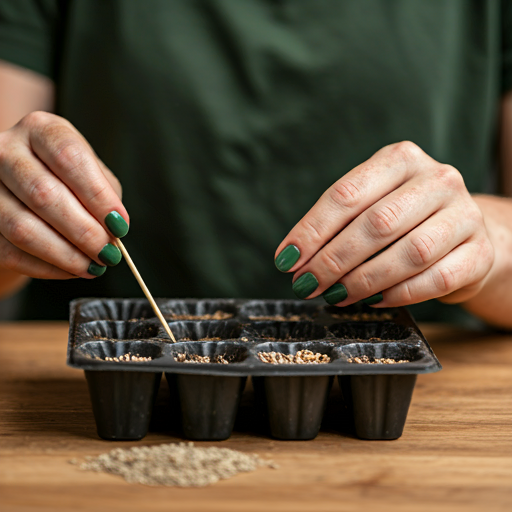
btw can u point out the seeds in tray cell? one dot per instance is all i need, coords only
(218, 315)
(377, 360)
(195, 358)
(215, 338)
(301, 357)
(128, 358)
(363, 317)
(281, 318)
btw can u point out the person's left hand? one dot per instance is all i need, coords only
(404, 199)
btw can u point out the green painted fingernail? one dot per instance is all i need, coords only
(287, 258)
(336, 293)
(110, 255)
(116, 224)
(374, 299)
(305, 285)
(96, 270)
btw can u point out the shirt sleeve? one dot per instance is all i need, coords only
(29, 34)
(507, 45)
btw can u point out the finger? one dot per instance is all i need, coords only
(377, 227)
(385, 171)
(16, 260)
(63, 151)
(411, 255)
(459, 273)
(50, 199)
(26, 231)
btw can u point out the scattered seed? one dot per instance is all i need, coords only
(365, 317)
(128, 358)
(182, 464)
(377, 360)
(218, 315)
(281, 318)
(301, 357)
(195, 358)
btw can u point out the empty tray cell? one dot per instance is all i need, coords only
(280, 311)
(277, 353)
(209, 352)
(372, 331)
(294, 405)
(208, 404)
(199, 310)
(379, 403)
(116, 309)
(204, 330)
(121, 351)
(285, 331)
(382, 352)
(122, 402)
(115, 330)
(361, 313)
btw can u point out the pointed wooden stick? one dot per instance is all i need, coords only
(147, 293)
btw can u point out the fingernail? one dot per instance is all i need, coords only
(110, 255)
(336, 293)
(116, 224)
(374, 299)
(96, 270)
(287, 258)
(305, 285)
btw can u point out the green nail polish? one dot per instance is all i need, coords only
(305, 285)
(374, 299)
(336, 293)
(116, 224)
(110, 255)
(96, 270)
(287, 258)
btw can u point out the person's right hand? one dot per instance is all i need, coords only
(60, 207)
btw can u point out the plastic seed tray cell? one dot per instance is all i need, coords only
(292, 350)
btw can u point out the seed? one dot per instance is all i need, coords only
(126, 358)
(378, 360)
(195, 358)
(301, 357)
(218, 315)
(181, 464)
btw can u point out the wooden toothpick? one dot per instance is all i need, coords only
(147, 293)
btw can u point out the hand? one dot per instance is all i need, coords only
(57, 202)
(438, 243)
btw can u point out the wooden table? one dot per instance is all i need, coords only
(455, 454)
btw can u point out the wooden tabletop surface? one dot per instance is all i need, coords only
(455, 453)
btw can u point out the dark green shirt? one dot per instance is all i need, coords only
(225, 120)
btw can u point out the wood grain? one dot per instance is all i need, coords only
(455, 454)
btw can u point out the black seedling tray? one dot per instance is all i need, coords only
(293, 396)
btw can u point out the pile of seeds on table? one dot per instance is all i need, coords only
(181, 464)
(301, 357)
(218, 315)
(377, 360)
(128, 358)
(195, 358)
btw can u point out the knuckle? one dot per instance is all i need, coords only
(421, 250)
(11, 258)
(450, 177)
(69, 155)
(345, 194)
(383, 221)
(312, 227)
(445, 280)
(364, 283)
(406, 150)
(87, 237)
(36, 118)
(43, 194)
(18, 232)
(331, 262)
(406, 296)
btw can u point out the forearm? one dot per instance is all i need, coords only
(494, 301)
